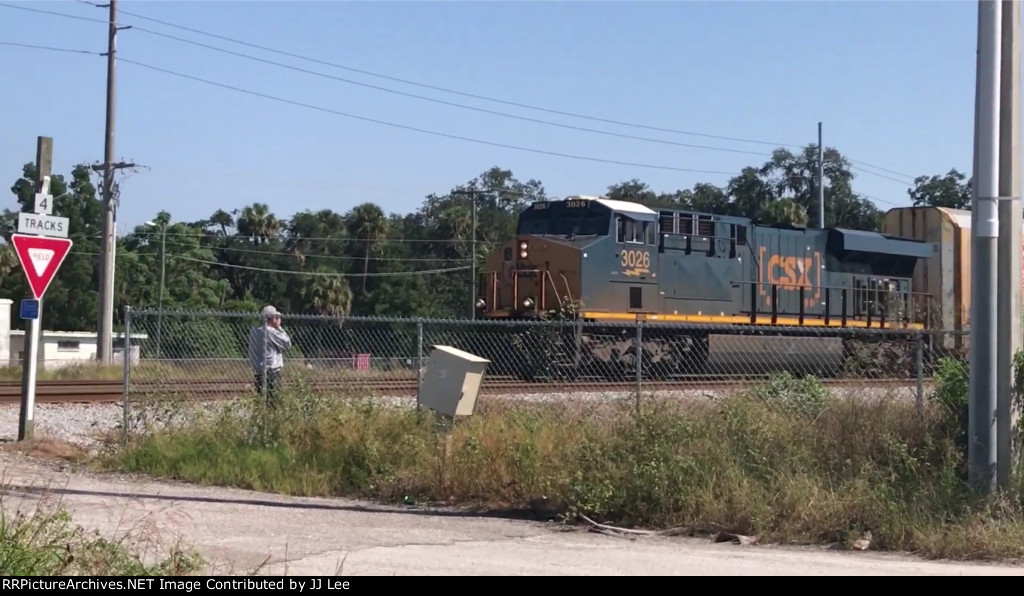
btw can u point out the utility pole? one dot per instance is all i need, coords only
(104, 347)
(472, 194)
(1010, 241)
(163, 269)
(33, 327)
(821, 181)
(476, 283)
(981, 450)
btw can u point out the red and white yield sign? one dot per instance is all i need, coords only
(41, 257)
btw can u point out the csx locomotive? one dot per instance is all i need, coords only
(604, 262)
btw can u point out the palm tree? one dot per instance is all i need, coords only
(328, 295)
(367, 224)
(306, 226)
(223, 219)
(257, 222)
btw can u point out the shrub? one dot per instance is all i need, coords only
(46, 543)
(784, 460)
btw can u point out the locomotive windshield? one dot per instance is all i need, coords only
(555, 219)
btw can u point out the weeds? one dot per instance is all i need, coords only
(47, 543)
(68, 372)
(785, 461)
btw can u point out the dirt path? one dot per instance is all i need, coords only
(238, 530)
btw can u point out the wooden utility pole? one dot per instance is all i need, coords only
(26, 419)
(108, 248)
(473, 283)
(821, 181)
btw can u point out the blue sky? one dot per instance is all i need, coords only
(893, 83)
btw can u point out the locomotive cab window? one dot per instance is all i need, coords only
(629, 231)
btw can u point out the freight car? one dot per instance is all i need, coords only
(947, 275)
(595, 260)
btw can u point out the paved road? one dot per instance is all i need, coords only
(239, 530)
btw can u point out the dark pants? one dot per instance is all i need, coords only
(273, 384)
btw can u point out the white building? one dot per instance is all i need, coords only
(57, 349)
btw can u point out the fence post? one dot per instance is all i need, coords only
(419, 360)
(919, 366)
(639, 362)
(126, 376)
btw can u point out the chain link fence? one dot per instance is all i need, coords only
(205, 356)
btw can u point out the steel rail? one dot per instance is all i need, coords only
(112, 391)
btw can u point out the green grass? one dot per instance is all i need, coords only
(67, 372)
(156, 371)
(785, 461)
(47, 543)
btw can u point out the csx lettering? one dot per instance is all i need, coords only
(790, 272)
(635, 258)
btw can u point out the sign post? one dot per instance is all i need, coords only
(41, 244)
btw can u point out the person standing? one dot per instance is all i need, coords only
(267, 345)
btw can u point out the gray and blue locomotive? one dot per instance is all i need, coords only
(715, 292)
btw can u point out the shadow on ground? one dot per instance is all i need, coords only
(522, 514)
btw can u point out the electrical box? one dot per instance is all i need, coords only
(452, 381)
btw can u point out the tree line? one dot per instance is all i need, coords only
(369, 262)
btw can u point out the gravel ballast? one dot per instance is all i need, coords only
(83, 424)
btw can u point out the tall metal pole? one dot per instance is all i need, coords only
(1010, 223)
(985, 231)
(821, 181)
(160, 298)
(104, 347)
(473, 285)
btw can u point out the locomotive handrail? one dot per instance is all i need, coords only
(909, 306)
(545, 277)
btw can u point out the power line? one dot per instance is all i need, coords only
(323, 273)
(420, 130)
(56, 14)
(320, 238)
(447, 103)
(464, 94)
(289, 272)
(306, 256)
(483, 110)
(49, 48)
(864, 163)
(452, 91)
(904, 182)
(885, 177)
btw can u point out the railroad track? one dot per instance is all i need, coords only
(112, 391)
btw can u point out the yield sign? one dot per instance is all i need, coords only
(41, 257)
